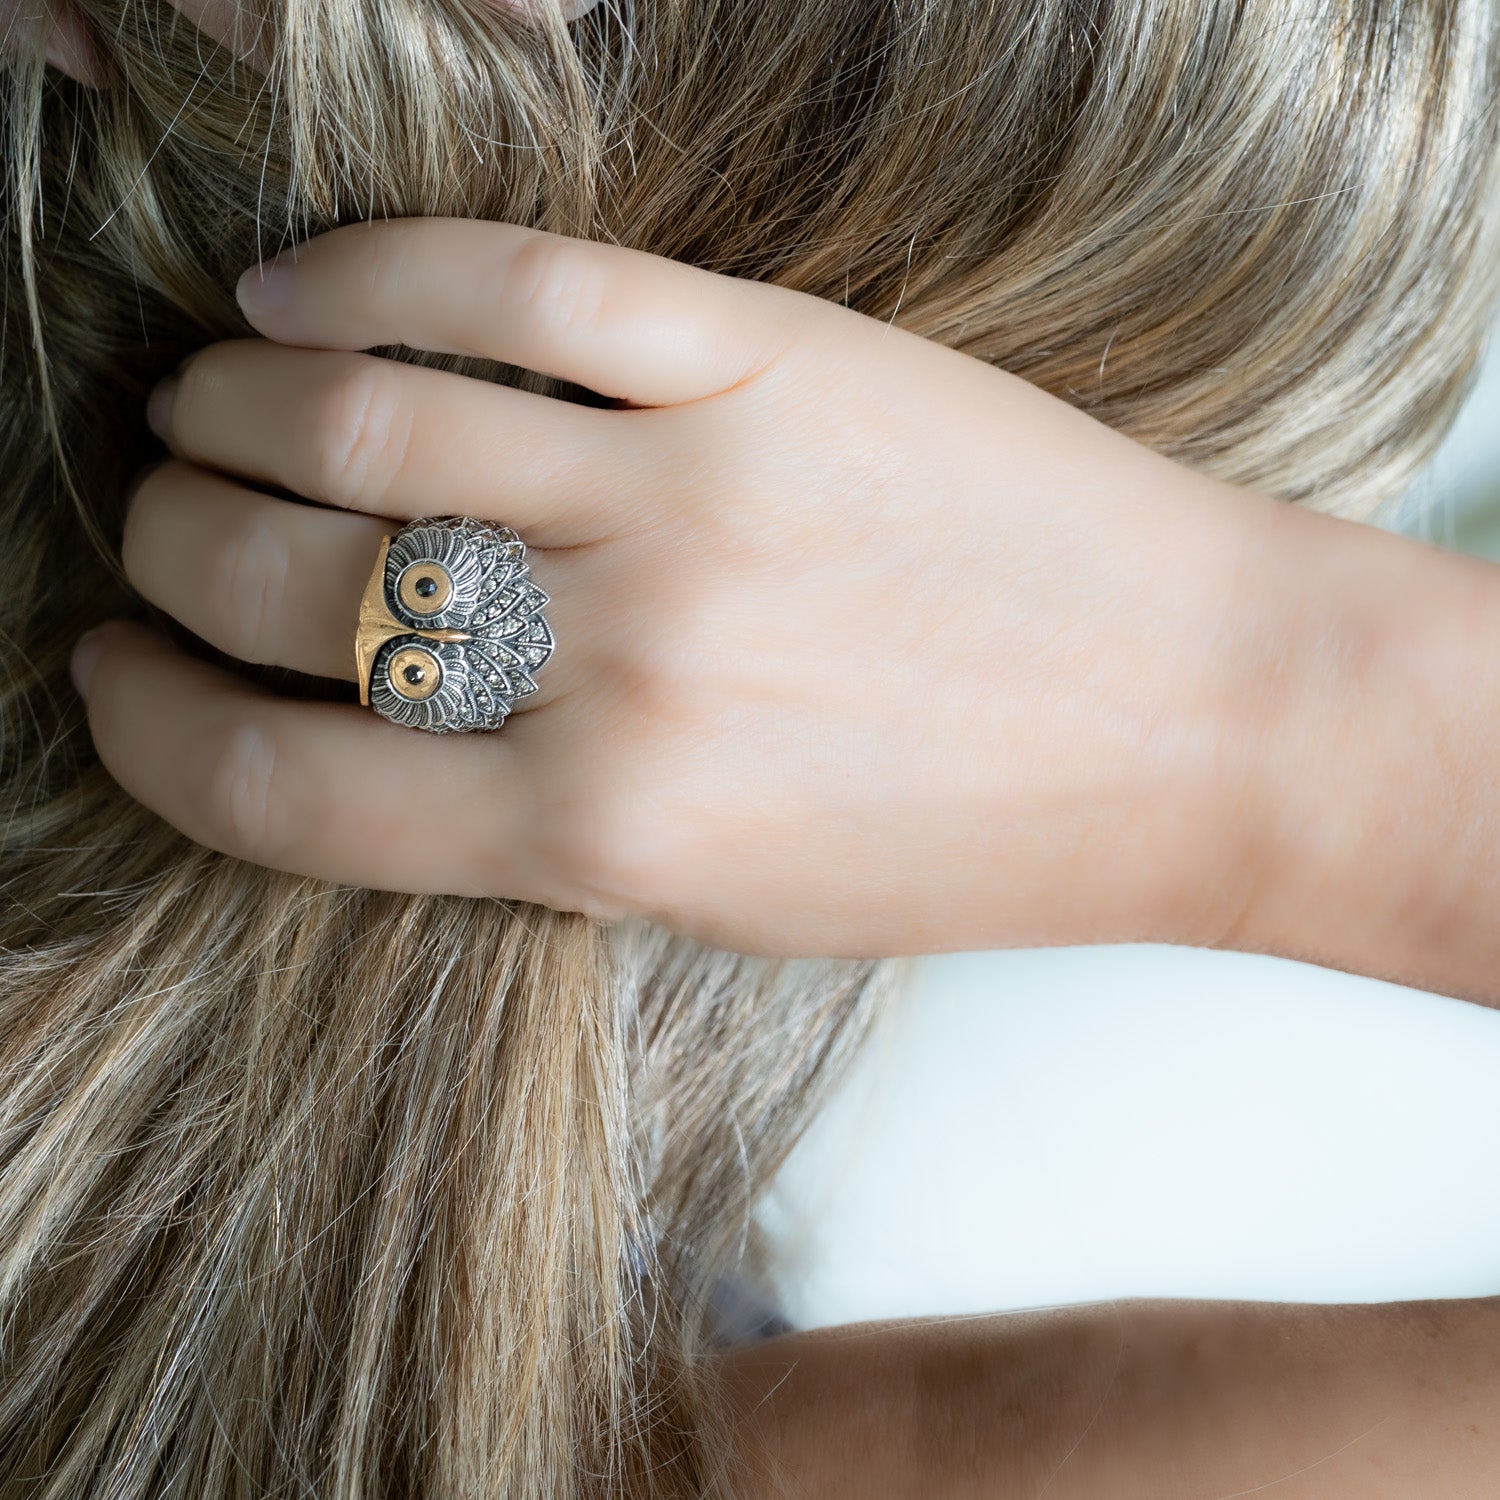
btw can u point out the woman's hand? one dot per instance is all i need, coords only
(863, 646)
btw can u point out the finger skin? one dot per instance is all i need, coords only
(263, 579)
(280, 584)
(624, 323)
(325, 790)
(399, 440)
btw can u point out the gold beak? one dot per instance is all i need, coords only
(377, 625)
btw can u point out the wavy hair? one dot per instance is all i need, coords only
(308, 1190)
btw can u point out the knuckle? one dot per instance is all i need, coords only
(361, 427)
(254, 589)
(244, 815)
(608, 851)
(558, 286)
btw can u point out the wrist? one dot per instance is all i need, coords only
(1367, 723)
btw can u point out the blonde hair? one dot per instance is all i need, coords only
(312, 1190)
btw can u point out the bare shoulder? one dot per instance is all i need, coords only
(1131, 1400)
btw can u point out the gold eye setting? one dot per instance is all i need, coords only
(415, 674)
(450, 630)
(425, 588)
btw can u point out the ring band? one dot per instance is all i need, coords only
(451, 630)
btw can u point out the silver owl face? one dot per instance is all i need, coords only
(475, 631)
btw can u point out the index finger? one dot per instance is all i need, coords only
(624, 323)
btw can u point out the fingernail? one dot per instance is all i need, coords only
(159, 406)
(85, 658)
(266, 287)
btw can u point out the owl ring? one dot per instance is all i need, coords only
(450, 628)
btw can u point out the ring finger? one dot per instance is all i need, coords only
(275, 582)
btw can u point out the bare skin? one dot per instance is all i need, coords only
(1135, 1400)
(866, 647)
(836, 673)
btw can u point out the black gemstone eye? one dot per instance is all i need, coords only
(425, 588)
(414, 675)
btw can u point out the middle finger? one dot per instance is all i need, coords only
(393, 439)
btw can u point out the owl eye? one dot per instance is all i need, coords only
(425, 588)
(415, 673)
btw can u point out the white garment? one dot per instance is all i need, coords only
(1056, 1126)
